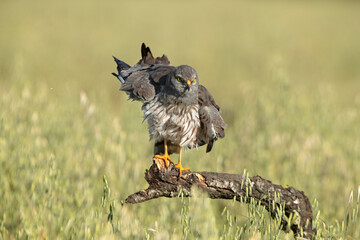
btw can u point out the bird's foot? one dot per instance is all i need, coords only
(179, 166)
(166, 158)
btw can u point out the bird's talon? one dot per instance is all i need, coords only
(181, 169)
(166, 158)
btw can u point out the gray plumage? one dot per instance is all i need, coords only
(175, 106)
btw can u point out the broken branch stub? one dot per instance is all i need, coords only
(164, 182)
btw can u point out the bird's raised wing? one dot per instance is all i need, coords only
(212, 125)
(148, 58)
(144, 83)
(144, 80)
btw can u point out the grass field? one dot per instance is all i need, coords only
(286, 75)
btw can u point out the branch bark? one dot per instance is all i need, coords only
(164, 182)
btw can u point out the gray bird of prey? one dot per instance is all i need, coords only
(180, 112)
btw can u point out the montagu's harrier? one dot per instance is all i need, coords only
(180, 112)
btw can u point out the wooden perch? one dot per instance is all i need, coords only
(164, 182)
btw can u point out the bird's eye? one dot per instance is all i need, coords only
(179, 79)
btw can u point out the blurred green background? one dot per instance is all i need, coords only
(285, 73)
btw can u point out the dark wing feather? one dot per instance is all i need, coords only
(148, 58)
(138, 86)
(143, 81)
(212, 125)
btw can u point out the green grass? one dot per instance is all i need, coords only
(286, 75)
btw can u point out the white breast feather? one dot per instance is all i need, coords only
(178, 124)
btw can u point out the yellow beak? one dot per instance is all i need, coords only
(188, 82)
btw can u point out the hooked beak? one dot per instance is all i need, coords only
(188, 83)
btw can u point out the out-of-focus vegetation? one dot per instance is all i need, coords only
(286, 74)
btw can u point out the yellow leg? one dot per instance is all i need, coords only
(179, 166)
(166, 156)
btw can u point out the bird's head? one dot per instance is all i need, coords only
(184, 80)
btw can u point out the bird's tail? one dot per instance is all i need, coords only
(120, 66)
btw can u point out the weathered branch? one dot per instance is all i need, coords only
(164, 182)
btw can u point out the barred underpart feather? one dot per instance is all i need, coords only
(177, 123)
